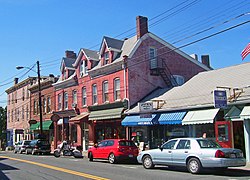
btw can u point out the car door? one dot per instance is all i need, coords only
(180, 153)
(97, 151)
(164, 155)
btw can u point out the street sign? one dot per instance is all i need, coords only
(145, 107)
(220, 99)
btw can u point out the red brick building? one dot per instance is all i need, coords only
(116, 77)
(48, 106)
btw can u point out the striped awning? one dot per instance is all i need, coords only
(171, 118)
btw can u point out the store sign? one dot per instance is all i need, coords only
(220, 99)
(146, 107)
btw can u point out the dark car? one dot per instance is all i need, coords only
(38, 146)
(114, 150)
(20, 147)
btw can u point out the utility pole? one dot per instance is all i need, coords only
(40, 98)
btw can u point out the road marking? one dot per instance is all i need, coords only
(58, 169)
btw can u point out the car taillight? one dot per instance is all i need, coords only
(219, 154)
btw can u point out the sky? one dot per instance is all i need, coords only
(43, 30)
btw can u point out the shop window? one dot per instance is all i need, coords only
(223, 133)
(74, 133)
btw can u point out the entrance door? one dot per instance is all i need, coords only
(223, 133)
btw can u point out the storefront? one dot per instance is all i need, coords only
(154, 129)
(105, 122)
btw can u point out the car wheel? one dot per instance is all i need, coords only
(194, 166)
(20, 152)
(15, 151)
(91, 157)
(33, 152)
(112, 158)
(147, 162)
(26, 151)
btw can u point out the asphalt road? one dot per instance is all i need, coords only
(39, 167)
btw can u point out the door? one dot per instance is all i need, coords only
(223, 133)
(164, 156)
(180, 153)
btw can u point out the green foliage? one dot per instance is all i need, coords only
(3, 126)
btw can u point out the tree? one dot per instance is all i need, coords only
(3, 126)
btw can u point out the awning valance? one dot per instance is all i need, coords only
(34, 126)
(140, 121)
(233, 114)
(200, 116)
(105, 114)
(171, 118)
(79, 117)
(245, 113)
(46, 124)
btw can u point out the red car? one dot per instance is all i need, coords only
(114, 150)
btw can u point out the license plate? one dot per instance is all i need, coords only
(130, 155)
(232, 156)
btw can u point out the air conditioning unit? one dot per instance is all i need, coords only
(74, 105)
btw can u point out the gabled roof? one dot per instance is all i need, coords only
(68, 63)
(112, 44)
(90, 55)
(198, 91)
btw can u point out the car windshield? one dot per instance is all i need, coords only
(126, 143)
(207, 143)
(26, 142)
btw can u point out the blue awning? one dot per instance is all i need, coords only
(171, 118)
(140, 121)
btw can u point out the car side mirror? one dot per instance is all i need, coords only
(160, 147)
(95, 146)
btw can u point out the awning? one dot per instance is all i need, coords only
(245, 113)
(105, 114)
(138, 121)
(171, 118)
(200, 116)
(79, 117)
(47, 124)
(233, 114)
(34, 126)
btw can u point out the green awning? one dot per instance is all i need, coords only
(34, 126)
(47, 124)
(105, 114)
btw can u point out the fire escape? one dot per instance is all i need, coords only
(158, 67)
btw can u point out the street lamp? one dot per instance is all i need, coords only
(39, 93)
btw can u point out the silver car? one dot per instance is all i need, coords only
(20, 147)
(193, 153)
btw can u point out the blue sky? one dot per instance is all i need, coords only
(42, 30)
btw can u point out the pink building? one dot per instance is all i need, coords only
(116, 77)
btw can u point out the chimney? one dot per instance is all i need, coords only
(205, 60)
(15, 81)
(70, 54)
(141, 26)
(195, 56)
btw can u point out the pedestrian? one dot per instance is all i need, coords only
(204, 135)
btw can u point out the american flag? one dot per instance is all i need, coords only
(245, 52)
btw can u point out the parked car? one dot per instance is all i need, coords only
(114, 150)
(20, 146)
(38, 146)
(193, 153)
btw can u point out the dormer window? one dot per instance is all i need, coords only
(106, 58)
(83, 68)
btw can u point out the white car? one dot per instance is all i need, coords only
(193, 153)
(20, 147)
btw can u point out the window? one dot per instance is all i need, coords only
(27, 112)
(44, 105)
(106, 58)
(81, 69)
(22, 112)
(34, 107)
(169, 144)
(74, 133)
(74, 95)
(65, 100)
(179, 80)
(94, 94)
(23, 94)
(117, 94)
(59, 101)
(8, 99)
(105, 93)
(17, 114)
(8, 116)
(12, 115)
(152, 58)
(84, 96)
(84, 68)
(16, 96)
(48, 104)
(12, 99)
(183, 144)
(27, 94)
